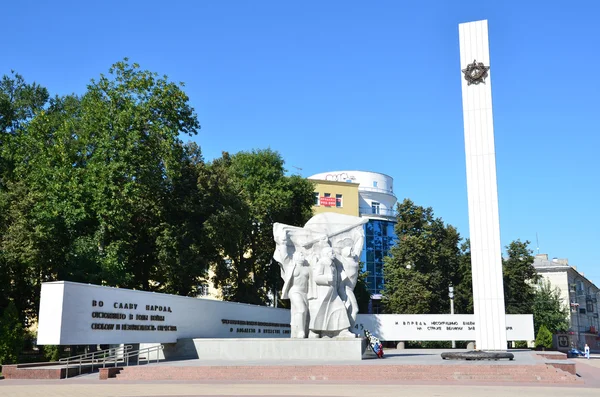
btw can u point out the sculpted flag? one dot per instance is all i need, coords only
(319, 265)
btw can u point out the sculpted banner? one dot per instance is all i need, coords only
(319, 265)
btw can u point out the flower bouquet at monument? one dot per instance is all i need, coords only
(374, 343)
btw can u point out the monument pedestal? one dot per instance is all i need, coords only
(247, 349)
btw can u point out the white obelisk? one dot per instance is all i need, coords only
(482, 190)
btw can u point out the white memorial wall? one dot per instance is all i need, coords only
(79, 314)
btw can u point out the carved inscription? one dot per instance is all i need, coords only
(116, 320)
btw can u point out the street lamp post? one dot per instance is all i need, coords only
(451, 295)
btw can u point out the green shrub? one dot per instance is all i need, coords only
(521, 344)
(11, 335)
(544, 338)
(51, 352)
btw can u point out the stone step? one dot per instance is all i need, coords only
(481, 373)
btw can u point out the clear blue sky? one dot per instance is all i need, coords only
(362, 85)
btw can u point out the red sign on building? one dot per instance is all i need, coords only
(327, 201)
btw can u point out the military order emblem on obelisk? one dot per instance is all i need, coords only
(482, 190)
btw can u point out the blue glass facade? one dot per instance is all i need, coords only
(379, 239)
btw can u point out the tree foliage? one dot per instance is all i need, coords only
(549, 309)
(463, 291)
(423, 264)
(427, 260)
(99, 188)
(11, 335)
(361, 292)
(19, 103)
(255, 193)
(519, 277)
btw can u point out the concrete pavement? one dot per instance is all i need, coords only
(151, 389)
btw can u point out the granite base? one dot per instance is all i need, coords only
(247, 349)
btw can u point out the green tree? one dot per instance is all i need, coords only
(548, 308)
(255, 194)
(361, 292)
(544, 338)
(463, 291)
(519, 278)
(102, 190)
(519, 281)
(423, 264)
(19, 102)
(11, 335)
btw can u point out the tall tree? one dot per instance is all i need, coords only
(549, 309)
(256, 194)
(19, 102)
(463, 291)
(102, 190)
(11, 335)
(423, 264)
(519, 278)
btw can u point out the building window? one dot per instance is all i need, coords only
(374, 183)
(375, 207)
(589, 305)
(338, 201)
(327, 201)
(581, 311)
(316, 198)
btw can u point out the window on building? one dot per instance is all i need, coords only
(374, 183)
(316, 198)
(338, 200)
(375, 207)
(376, 248)
(326, 194)
(589, 305)
(581, 310)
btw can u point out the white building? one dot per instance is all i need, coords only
(579, 294)
(376, 201)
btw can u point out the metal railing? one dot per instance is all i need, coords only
(376, 190)
(383, 212)
(112, 356)
(147, 350)
(98, 357)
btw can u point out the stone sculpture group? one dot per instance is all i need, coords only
(319, 266)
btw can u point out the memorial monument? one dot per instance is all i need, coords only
(319, 265)
(482, 190)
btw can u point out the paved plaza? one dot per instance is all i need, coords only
(93, 388)
(90, 386)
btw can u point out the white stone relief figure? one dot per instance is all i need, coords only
(348, 280)
(329, 317)
(298, 287)
(320, 289)
(348, 254)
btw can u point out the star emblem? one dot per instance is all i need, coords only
(476, 73)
